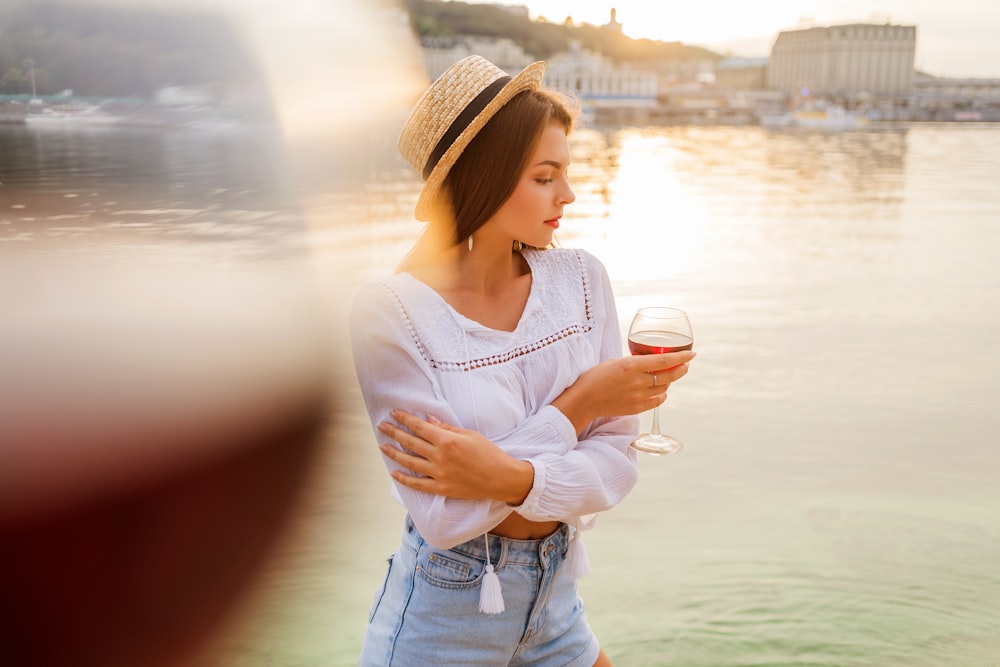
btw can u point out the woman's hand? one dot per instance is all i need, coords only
(455, 462)
(625, 386)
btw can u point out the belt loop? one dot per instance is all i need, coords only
(504, 547)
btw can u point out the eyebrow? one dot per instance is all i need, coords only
(552, 163)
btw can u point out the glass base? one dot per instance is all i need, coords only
(657, 444)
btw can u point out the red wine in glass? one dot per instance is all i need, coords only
(659, 330)
(658, 342)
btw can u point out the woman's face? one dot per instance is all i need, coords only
(531, 214)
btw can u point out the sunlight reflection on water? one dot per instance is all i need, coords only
(836, 504)
(833, 506)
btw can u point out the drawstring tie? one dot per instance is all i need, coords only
(490, 596)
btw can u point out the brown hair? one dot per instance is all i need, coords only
(487, 172)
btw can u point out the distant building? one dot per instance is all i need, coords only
(597, 81)
(844, 60)
(973, 91)
(516, 10)
(675, 71)
(732, 74)
(940, 98)
(440, 53)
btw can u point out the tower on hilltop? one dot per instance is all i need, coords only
(613, 23)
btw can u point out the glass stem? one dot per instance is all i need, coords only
(655, 429)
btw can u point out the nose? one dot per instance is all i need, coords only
(566, 194)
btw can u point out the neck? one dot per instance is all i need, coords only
(486, 269)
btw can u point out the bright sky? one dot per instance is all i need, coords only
(954, 37)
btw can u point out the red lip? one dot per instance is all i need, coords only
(554, 223)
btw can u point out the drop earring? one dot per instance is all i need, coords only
(470, 244)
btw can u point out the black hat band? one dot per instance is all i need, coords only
(462, 121)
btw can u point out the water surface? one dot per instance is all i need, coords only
(837, 500)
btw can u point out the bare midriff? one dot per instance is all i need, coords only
(517, 527)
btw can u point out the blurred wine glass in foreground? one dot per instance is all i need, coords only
(157, 423)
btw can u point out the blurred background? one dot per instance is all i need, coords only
(172, 368)
(190, 194)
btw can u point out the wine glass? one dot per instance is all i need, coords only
(654, 331)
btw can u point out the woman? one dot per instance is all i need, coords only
(492, 371)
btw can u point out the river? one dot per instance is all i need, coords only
(837, 502)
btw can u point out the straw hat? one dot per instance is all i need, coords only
(451, 112)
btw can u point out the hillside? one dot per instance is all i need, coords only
(104, 49)
(436, 18)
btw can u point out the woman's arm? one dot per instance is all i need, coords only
(590, 477)
(392, 372)
(592, 473)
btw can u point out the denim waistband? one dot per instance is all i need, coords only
(508, 551)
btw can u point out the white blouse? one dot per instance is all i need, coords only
(414, 352)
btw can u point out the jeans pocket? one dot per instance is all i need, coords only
(449, 569)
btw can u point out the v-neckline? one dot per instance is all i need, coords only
(470, 323)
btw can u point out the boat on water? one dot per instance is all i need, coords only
(88, 115)
(830, 118)
(12, 112)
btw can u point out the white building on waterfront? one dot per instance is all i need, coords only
(941, 98)
(844, 60)
(440, 53)
(974, 91)
(597, 81)
(590, 77)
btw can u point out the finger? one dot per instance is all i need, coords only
(434, 421)
(660, 381)
(411, 422)
(407, 440)
(425, 428)
(654, 400)
(412, 481)
(411, 462)
(672, 359)
(665, 361)
(668, 376)
(676, 373)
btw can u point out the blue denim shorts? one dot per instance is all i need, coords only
(427, 610)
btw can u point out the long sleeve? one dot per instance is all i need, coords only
(393, 374)
(398, 366)
(602, 469)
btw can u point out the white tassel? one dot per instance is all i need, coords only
(576, 557)
(490, 595)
